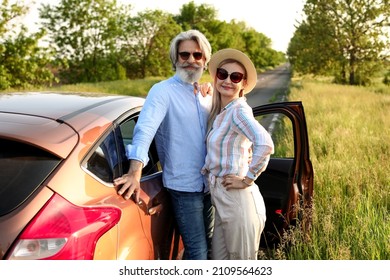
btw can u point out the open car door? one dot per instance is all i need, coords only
(287, 183)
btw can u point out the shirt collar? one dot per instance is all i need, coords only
(235, 101)
(177, 79)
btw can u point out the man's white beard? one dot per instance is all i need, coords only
(189, 76)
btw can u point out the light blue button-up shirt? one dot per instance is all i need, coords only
(177, 118)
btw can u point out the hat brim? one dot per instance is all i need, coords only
(239, 56)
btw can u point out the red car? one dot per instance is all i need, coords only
(59, 154)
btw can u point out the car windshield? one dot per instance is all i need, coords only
(23, 168)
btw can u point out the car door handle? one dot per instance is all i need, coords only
(155, 209)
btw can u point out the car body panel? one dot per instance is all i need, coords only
(59, 138)
(106, 246)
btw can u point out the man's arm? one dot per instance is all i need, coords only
(151, 116)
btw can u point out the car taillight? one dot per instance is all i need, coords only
(63, 231)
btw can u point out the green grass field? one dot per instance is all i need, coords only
(349, 135)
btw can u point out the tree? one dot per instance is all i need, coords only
(83, 34)
(258, 47)
(145, 41)
(310, 54)
(193, 16)
(345, 36)
(22, 62)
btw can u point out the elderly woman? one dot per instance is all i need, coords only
(238, 151)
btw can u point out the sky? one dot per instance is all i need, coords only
(274, 18)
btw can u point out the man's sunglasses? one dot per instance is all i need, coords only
(186, 55)
(235, 77)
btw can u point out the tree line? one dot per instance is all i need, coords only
(102, 40)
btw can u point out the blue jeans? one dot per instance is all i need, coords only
(195, 219)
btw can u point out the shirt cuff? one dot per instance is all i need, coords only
(137, 153)
(251, 176)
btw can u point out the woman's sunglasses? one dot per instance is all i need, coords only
(235, 77)
(186, 55)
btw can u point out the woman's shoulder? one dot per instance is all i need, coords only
(241, 105)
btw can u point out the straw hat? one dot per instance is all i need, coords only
(221, 55)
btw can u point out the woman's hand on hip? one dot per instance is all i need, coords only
(234, 182)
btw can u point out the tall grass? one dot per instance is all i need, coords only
(349, 135)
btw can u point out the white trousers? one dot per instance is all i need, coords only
(239, 221)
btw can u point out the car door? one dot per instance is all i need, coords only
(287, 183)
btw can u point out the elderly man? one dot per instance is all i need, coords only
(175, 115)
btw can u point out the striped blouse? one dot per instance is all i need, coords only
(229, 143)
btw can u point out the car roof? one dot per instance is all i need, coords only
(53, 121)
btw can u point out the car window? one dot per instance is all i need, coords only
(103, 162)
(109, 159)
(280, 128)
(23, 168)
